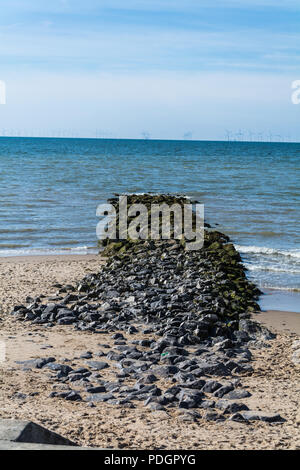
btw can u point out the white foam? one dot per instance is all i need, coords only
(274, 269)
(268, 251)
(79, 250)
(280, 288)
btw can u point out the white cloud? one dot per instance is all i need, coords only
(148, 49)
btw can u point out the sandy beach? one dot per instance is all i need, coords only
(280, 321)
(25, 395)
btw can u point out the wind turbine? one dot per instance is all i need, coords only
(228, 133)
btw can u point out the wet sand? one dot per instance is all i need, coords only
(286, 322)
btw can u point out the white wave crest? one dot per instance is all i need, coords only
(79, 250)
(268, 251)
(274, 269)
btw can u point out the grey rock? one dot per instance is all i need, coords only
(225, 389)
(29, 432)
(207, 404)
(62, 368)
(73, 396)
(166, 371)
(96, 389)
(248, 415)
(86, 355)
(97, 365)
(237, 394)
(211, 386)
(210, 368)
(36, 363)
(228, 406)
(98, 397)
(213, 416)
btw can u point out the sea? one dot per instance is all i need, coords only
(50, 189)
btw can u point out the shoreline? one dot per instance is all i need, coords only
(279, 320)
(272, 300)
(48, 258)
(280, 300)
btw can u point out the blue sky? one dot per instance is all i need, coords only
(166, 67)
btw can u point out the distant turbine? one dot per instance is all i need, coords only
(146, 135)
(228, 134)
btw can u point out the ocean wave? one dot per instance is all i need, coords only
(78, 250)
(154, 194)
(268, 251)
(280, 288)
(274, 269)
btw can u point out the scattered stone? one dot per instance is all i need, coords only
(35, 363)
(97, 365)
(228, 406)
(237, 394)
(257, 416)
(86, 355)
(213, 416)
(73, 396)
(207, 404)
(223, 391)
(97, 389)
(96, 397)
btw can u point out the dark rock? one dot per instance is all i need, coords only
(237, 394)
(97, 365)
(36, 363)
(96, 389)
(211, 386)
(166, 371)
(207, 404)
(213, 416)
(156, 406)
(86, 355)
(225, 389)
(64, 369)
(98, 397)
(73, 396)
(210, 368)
(243, 416)
(228, 406)
(148, 379)
(255, 330)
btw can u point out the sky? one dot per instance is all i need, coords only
(164, 69)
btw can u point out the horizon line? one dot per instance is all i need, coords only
(153, 139)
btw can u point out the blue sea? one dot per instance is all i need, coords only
(50, 189)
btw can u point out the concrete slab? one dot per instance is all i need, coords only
(9, 445)
(29, 432)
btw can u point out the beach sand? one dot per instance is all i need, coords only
(274, 384)
(277, 320)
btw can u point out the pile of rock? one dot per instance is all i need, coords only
(191, 311)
